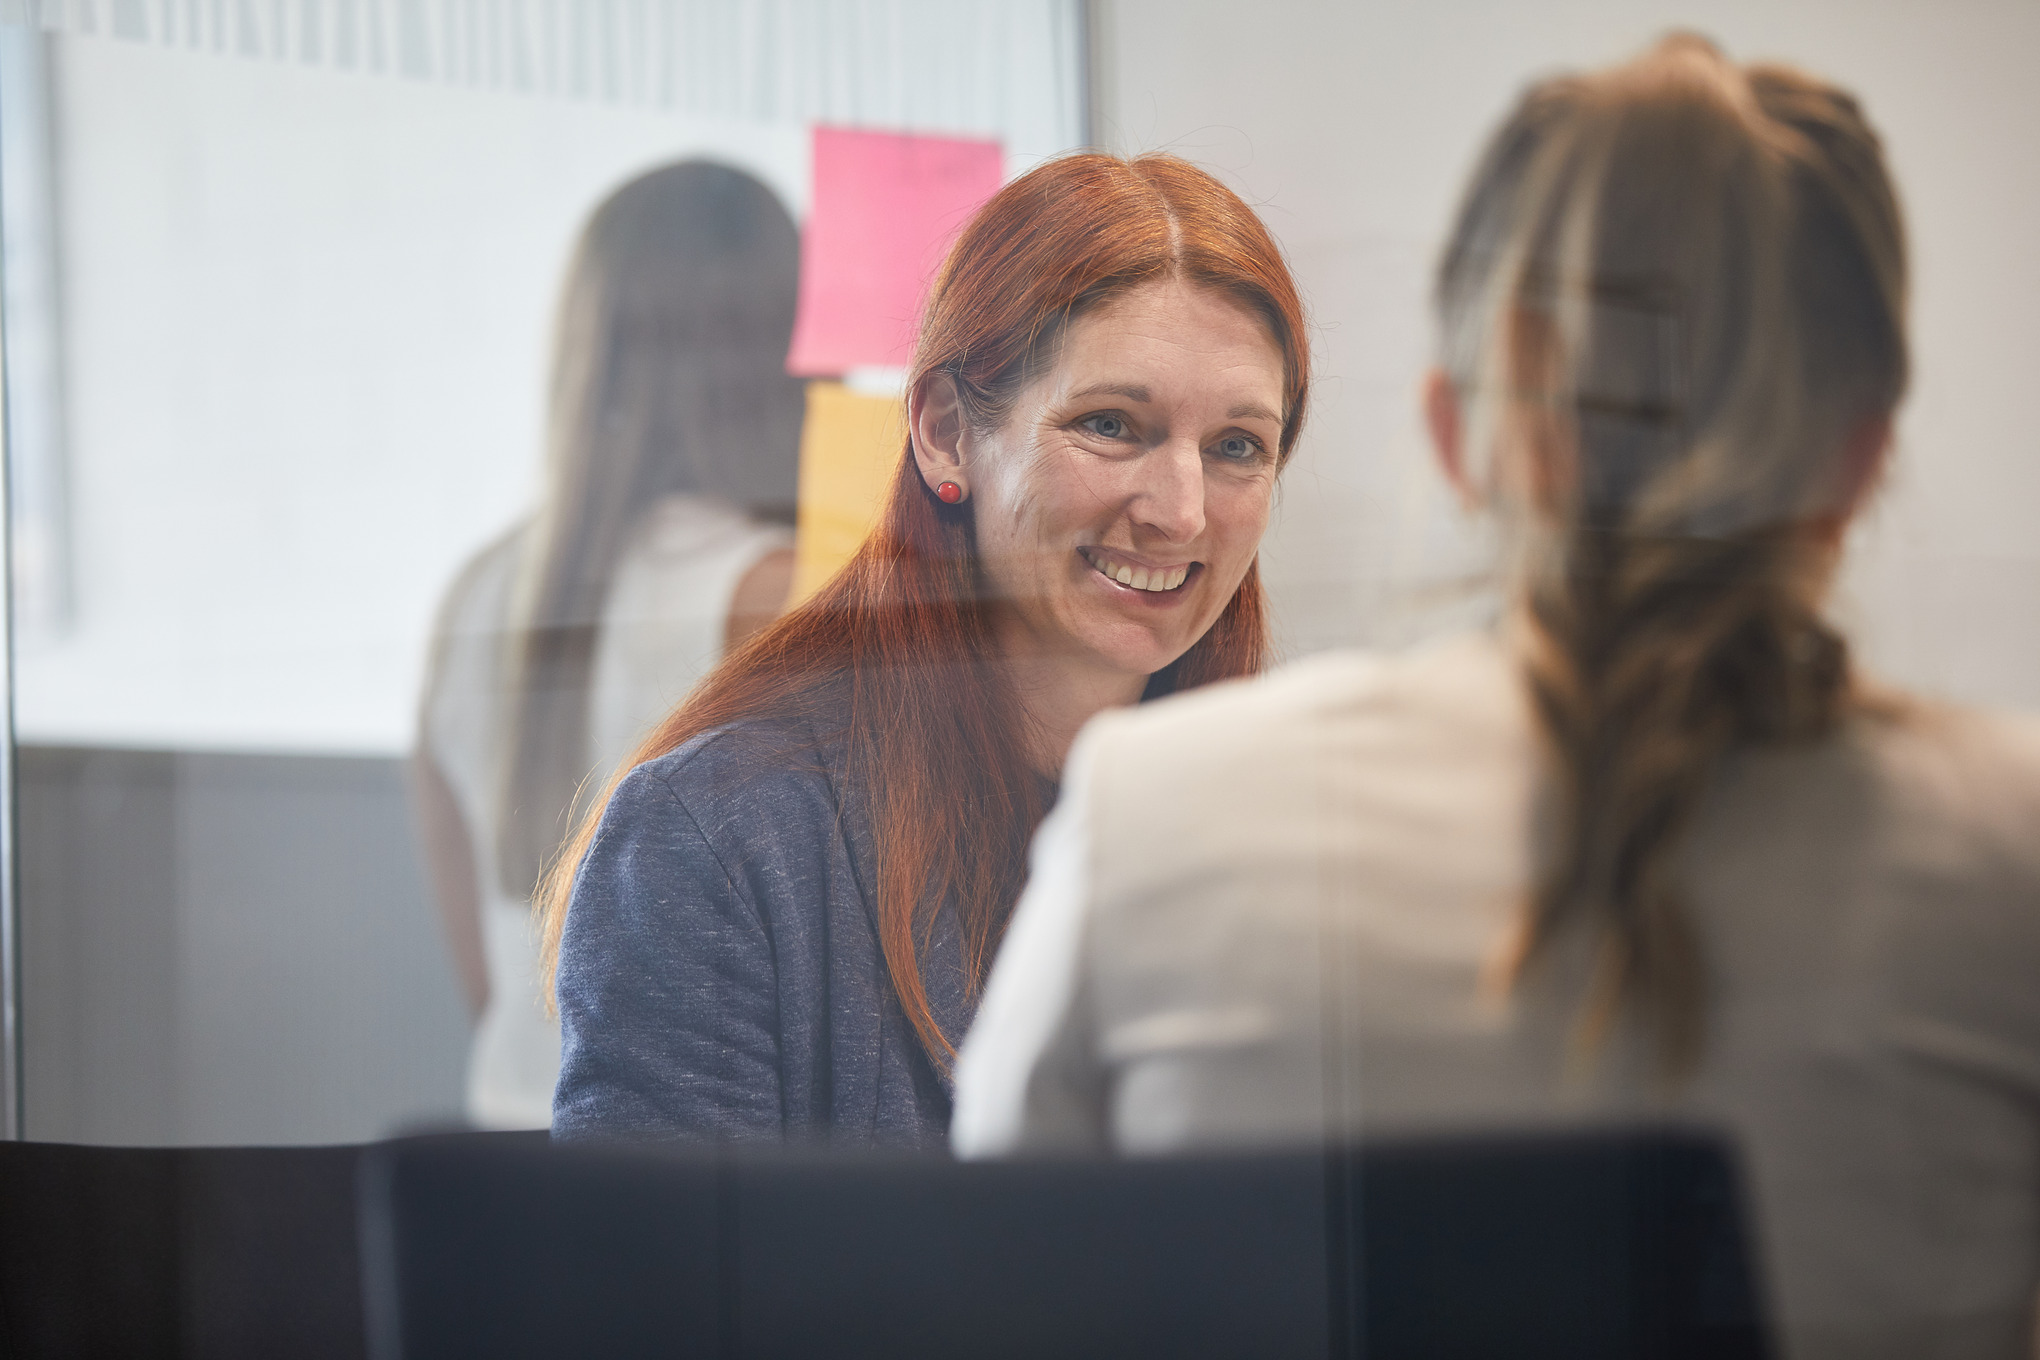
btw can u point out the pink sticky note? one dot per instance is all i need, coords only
(884, 209)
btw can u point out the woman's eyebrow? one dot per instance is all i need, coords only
(1253, 410)
(1131, 391)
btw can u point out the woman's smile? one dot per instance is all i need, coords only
(1139, 580)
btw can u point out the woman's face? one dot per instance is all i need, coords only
(1123, 499)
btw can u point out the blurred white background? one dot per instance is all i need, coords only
(1353, 126)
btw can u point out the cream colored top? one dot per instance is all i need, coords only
(1270, 911)
(662, 629)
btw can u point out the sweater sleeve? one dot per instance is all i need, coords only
(667, 984)
(1029, 1080)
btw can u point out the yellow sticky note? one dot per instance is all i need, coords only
(849, 453)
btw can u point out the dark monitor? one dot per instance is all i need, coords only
(1580, 1246)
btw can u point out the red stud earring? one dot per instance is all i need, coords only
(950, 493)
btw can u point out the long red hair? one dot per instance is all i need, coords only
(933, 742)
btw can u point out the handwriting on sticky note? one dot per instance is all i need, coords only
(884, 208)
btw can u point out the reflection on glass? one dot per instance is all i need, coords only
(674, 428)
(352, 555)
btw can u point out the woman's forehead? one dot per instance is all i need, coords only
(1168, 339)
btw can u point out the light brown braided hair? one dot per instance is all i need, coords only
(1676, 291)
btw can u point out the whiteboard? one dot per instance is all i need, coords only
(306, 317)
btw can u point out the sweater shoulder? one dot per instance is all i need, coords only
(746, 778)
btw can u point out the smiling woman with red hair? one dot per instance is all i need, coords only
(780, 920)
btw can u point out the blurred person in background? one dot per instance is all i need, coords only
(662, 540)
(778, 928)
(1652, 848)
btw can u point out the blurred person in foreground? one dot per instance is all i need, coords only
(662, 539)
(1651, 848)
(779, 926)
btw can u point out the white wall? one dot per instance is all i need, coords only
(1354, 124)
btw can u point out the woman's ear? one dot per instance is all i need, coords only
(935, 423)
(1864, 457)
(1860, 467)
(1441, 415)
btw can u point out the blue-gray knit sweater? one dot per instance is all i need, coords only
(720, 976)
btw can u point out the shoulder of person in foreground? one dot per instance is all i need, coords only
(1194, 784)
(1217, 727)
(701, 868)
(1162, 796)
(1956, 832)
(1976, 766)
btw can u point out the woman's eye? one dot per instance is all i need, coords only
(1106, 427)
(1237, 448)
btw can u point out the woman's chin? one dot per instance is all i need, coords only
(1133, 651)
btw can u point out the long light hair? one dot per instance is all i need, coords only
(902, 640)
(1675, 294)
(669, 377)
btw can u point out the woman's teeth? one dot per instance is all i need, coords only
(1140, 578)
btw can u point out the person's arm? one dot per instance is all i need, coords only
(667, 990)
(450, 864)
(1028, 1079)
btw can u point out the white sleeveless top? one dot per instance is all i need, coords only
(1269, 913)
(662, 630)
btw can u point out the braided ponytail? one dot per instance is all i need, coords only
(1675, 290)
(1649, 660)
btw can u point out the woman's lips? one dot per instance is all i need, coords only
(1132, 573)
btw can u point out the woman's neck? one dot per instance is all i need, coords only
(1059, 695)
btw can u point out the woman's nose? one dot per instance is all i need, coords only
(1170, 499)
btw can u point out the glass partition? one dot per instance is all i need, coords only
(411, 405)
